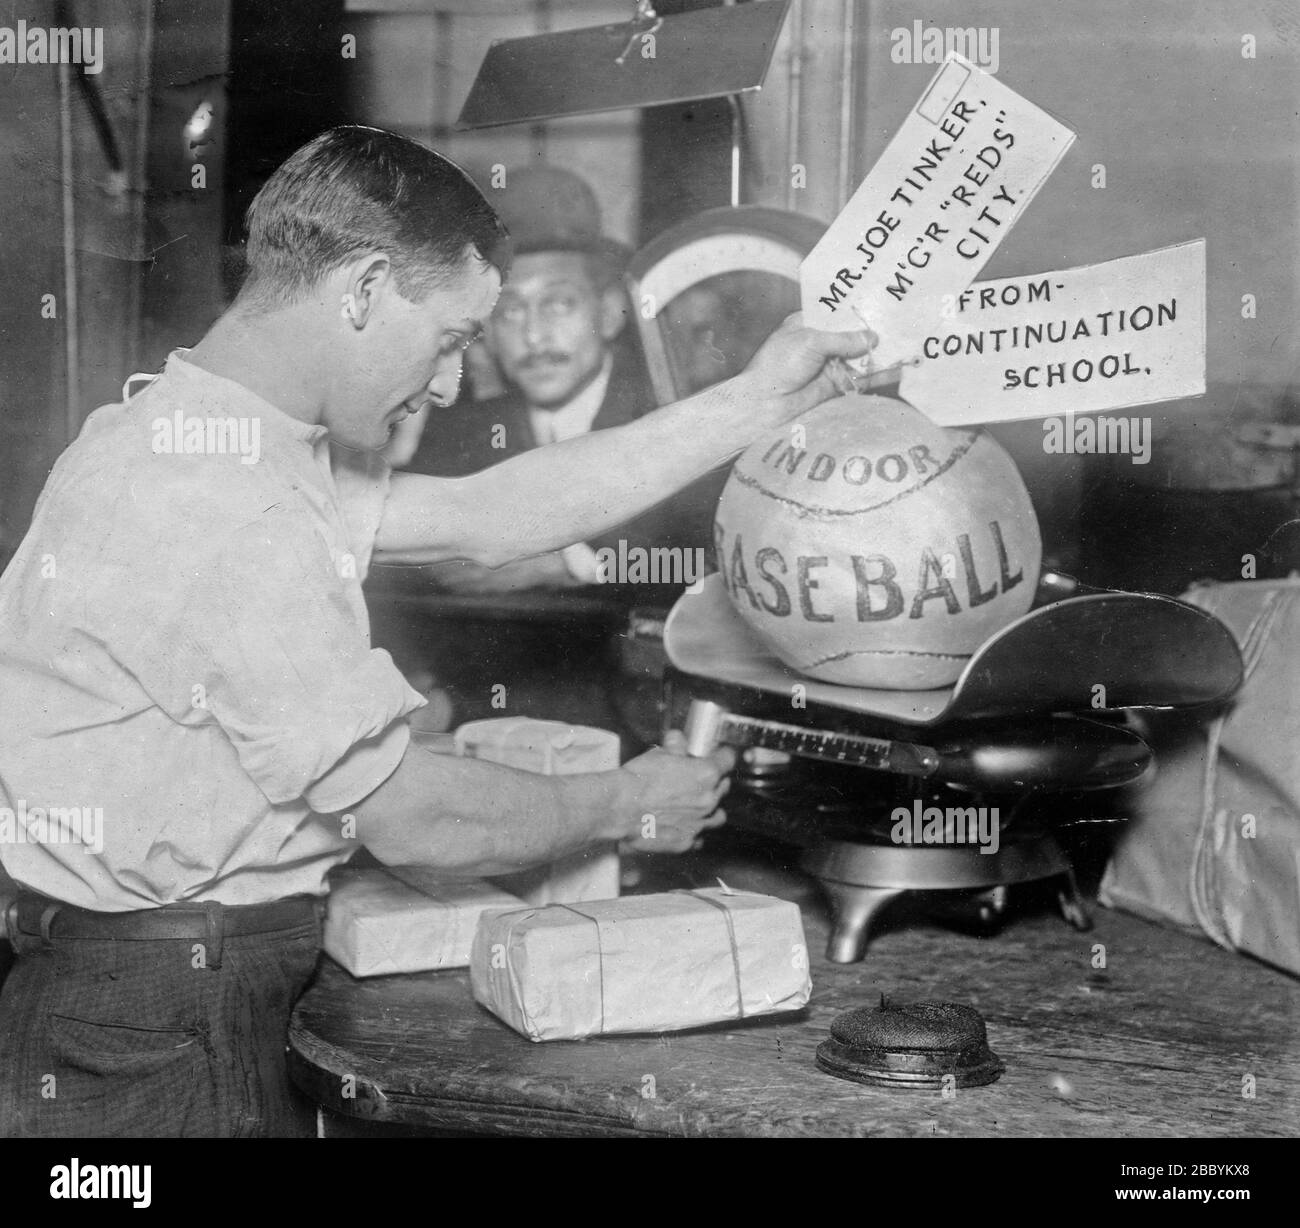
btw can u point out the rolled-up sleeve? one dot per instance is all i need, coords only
(268, 639)
(361, 771)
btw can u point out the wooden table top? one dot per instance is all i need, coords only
(1161, 1042)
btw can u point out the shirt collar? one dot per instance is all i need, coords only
(234, 394)
(576, 417)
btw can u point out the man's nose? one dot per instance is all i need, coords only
(537, 330)
(444, 388)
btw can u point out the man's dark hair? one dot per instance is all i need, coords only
(353, 190)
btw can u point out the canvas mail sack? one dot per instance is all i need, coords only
(1214, 842)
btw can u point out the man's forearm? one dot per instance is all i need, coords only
(469, 817)
(579, 489)
(548, 498)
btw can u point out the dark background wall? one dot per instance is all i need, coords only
(39, 404)
(101, 207)
(285, 84)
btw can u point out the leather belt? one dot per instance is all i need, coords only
(39, 916)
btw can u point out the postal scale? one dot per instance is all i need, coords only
(1042, 709)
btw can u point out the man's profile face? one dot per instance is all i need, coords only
(410, 355)
(552, 327)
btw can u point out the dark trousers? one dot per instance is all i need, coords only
(102, 1038)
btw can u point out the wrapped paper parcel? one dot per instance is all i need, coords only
(553, 749)
(405, 919)
(649, 963)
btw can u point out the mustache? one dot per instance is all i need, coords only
(542, 358)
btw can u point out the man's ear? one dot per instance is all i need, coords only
(368, 280)
(613, 312)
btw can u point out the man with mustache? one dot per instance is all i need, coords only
(559, 337)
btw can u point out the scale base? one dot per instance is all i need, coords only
(860, 879)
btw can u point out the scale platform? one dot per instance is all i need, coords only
(1026, 717)
(1146, 650)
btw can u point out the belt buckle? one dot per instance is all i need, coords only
(13, 918)
(48, 913)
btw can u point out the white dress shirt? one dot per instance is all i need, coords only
(185, 652)
(568, 422)
(575, 418)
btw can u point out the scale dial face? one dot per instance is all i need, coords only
(712, 288)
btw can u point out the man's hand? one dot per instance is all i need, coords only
(674, 797)
(468, 817)
(788, 375)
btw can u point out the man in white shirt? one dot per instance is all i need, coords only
(194, 728)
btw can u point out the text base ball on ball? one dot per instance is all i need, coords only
(867, 546)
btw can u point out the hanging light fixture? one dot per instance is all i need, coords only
(648, 61)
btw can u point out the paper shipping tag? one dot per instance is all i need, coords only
(1126, 332)
(952, 182)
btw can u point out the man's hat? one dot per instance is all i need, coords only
(548, 209)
